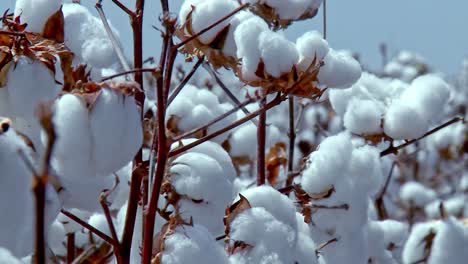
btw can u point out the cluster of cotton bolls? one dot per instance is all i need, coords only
(406, 65)
(268, 59)
(376, 106)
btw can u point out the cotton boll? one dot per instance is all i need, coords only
(36, 12)
(200, 177)
(268, 236)
(15, 185)
(7, 257)
(69, 225)
(189, 243)
(207, 13)
(304, 243)
(185, 9)
(404, 122)
(363, 117)
(428, 94)
(230, 47)
(116, 128)
(366, 169)
(72, 155)
(29, 83)
(56, 237)
(311, 45)
(414, 249)
(450, 243)
(277, 53)
(86, 36)
(417, 194)
(279, 205)
(99, 222)
(215, 151)
(395, 232)
(327, 164)
(339, 70)
(246, 38)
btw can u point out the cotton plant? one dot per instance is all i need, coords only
(354, 174)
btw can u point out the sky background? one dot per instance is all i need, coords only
(437, 31)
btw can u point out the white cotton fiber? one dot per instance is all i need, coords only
(36, 12)
(246, 38)
(278, 53)
(339, 71)
(404, 122)
(363, 117)
(417, 194)
(207, 13)
(311, 45)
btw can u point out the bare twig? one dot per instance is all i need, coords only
(379, 200)
(261, 140)
(292, 141)
(70, 247)
(115, 44)
(153, 70)
(394, 150)
(123, 7)
(92, 229)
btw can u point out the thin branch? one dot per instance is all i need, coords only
(233, 12)
(110, 34)
(70, 247)
(394, 150)
(181, 85)
(92, 229)
(105, 207)
(123, 7)
(217, 119)
(379, 200)
(292, 141)
(226, 90)
(261, 142)
(152, 70)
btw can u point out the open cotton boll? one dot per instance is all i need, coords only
(72, 155)
(215, 151)
(363, 117)
(246, 38)
(366, 169)
(209, 12)
(86, 36)
(304, 243)
(230, 47)
(29, 83)
(269, 236)
(244, 137)
(200, 177)
(402, 121)
(428, 94)
(327, 164)
(311, 45)
(417, 194)
(339, 70)
(278, 204)
(186, 7)
(56, 238)
(36, 12)
(99, 222)
(192, 243)
(116, 129)
(414, 249)
(450, 243)
(15, 185)
(277, 53)
(7, 257)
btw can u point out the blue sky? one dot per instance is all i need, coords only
(435, 30)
